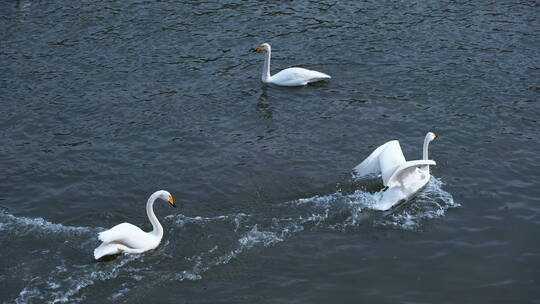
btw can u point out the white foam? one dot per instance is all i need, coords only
(205, 261)
(255, 237)
(339, 211)
(430, 203)
(65, 283)
(117, 295)
(22, 226)
(187, 276)
(28, 294)
(86, 277)
(181, 220)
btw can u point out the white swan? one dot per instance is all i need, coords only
(289, 77)
(402, 178)
(129, 238)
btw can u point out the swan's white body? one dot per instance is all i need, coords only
(129, 238)
(288, 77)
(402, 178)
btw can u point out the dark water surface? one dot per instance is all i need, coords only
(103, 103)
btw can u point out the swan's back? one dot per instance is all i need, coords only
(128, 235)
(297, 77)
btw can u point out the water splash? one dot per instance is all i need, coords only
(226, 238)
(62, 276)
(336, 212)
(430, 203)
(86, 276)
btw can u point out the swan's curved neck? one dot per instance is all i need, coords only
(157, 228)
(426, 145)
(266, 66)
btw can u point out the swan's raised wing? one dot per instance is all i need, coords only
(390, 159)
(125, 233)
(407, 174)
(384, 160)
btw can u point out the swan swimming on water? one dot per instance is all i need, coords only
(129, 238)
(288, 77)
(401, 178)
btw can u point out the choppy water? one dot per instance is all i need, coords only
(105, 102)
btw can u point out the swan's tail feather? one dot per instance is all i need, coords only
(325, 76)
(107, 249)
(319, 76)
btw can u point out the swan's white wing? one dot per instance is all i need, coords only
(412, 174)
(370, 165)
(389, 159)
(384, 160)
(127, 234)
(297, 77)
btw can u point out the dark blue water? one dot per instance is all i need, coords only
(103, 103)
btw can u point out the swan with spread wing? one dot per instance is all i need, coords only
(401, 178)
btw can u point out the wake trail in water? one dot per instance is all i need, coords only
(335, 212)
(59, 277)
(38, 227)
(194, 245)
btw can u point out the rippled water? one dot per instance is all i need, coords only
(105, 102)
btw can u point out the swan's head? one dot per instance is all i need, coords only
(263, 47)
(166, 196)
(430, 136)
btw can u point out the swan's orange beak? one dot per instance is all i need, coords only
(260, 49)
(435, 136)
(171, 201)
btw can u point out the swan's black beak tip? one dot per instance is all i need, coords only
(171, 202)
